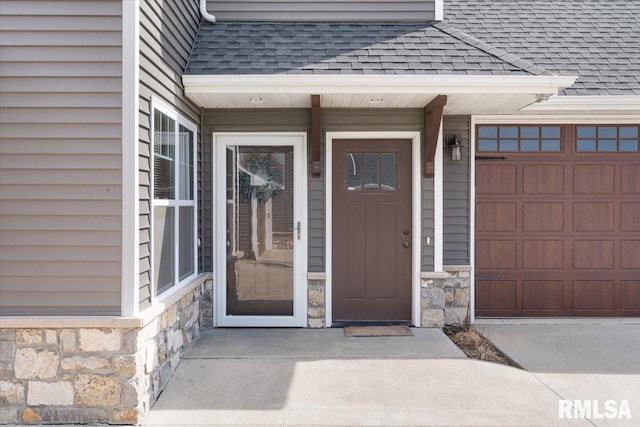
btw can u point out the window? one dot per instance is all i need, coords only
(516, 138)
(379, 171)
(607, 138)
(174, 205)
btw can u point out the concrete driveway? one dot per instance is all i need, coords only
(319, 377)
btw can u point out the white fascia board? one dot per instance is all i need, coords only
(587, 103)
(323, 84)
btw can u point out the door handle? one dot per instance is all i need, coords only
(297, 229)
(405, 243)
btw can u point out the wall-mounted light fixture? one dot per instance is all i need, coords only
(453, 145)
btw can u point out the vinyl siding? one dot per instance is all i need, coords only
(334, 120)
(322, 10)
(167, 32)
(60, 157)
(456, 195)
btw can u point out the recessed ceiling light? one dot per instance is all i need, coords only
(256, 100)
(376, 100)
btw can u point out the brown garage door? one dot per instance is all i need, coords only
(557, 221)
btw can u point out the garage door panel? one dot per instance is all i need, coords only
(630, 217)
(542, 216)
(630, 177)
(575, 249)
(542, 294)
(594, 179)
(543, 179)
(630, 254)
(492, 180)
(630, 294)
(496, 216)
(543, 254)
(593, 294)
(496, 294)
(593, 216)
(593, 254)
(497, 254)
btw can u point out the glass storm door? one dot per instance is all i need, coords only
(260, 254)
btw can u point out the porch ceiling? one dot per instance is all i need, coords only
(466, 94)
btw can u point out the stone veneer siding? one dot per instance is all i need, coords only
(97, 375)
(444, 297)
(316, 313)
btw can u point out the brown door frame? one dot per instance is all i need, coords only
(415, 138)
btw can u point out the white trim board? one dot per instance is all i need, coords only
(129, 297)
(298, 140)
(597, 103)
(416, 214)
(562, 119)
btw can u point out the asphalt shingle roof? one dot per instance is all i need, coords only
(597, 40)
(347, 48)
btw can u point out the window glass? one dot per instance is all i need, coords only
(550, 145)
(529, 132)
(586, 131)
(186, 243)
(586, 145)
(388, 168)
(488, 132)
(508, 145)
(488, 145)
(529, 145)
(508, 132)
(186, 163)
(354, 171)
(163, 156)
(629, 145)
(609, 139)
(607, 145)
(551, 131)
(607, 132)
(163, 247)
(629, 132)
(371, 172)
(526, 138)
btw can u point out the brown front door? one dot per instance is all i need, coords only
(371, 230)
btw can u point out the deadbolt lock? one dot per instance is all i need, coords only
(406, 231)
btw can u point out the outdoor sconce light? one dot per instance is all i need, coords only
(453, 145)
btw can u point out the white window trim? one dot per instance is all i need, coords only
(294, 139)
(180, 120)
(416, 206)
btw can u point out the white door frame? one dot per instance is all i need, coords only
(298, 141)
(416, 214)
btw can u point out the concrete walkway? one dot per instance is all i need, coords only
(319, 377)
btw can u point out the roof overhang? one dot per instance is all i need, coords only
(609, 104)
(467, 94)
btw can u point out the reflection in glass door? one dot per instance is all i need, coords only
(262, 233)
(260, 236)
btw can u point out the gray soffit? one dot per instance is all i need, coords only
(237, 48)
(598, 40)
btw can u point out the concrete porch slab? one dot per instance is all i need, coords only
(331, 343)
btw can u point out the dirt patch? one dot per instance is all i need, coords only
(474, 345)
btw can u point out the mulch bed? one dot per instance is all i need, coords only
(474, 345)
